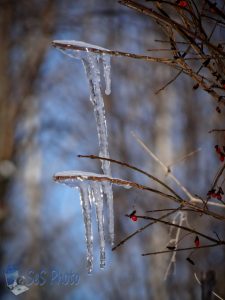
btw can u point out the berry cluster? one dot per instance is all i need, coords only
(214, 194)
(220, 153)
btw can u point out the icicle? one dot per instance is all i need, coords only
(98, 200)
(91, 62)
(107, 69)
(86, 208)
(92, 68)
(107, 187)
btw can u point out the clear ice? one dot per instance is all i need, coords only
(93, 64)
(86, 209)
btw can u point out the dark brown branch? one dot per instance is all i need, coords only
(216, 130)
(218, 176)
(144, 227)
(188, 204)
(169, 82)
(181, 227)
(182, 249)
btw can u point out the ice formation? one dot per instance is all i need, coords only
(91, 186)
(86, 208)
(91, 193)
(93, 64)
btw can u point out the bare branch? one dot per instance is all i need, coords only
(182, 249)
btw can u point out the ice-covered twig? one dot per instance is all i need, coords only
(82, 46)
(71, 177)
(124, 164)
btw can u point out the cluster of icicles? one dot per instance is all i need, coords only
(94, 192)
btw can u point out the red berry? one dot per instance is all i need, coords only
(134, 218)
(182, 3)
(197, 242)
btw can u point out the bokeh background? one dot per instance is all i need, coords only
(46, 120)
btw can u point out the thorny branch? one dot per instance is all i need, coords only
(181, 20)
(183, 202)
(182, 227)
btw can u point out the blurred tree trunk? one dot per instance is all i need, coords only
(16, 87)
(33, 193)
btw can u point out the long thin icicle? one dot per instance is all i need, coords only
(98, 200)
(92, 68)
(86, 208)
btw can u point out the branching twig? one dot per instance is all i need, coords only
(144, 227)
(182, 227)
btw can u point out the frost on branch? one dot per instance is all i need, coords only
(92, 65)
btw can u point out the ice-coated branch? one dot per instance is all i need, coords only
(71, 177)
(124, 164)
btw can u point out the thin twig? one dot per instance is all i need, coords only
(182, 249)
(164, 167)
(144, 227)
(181, 227)
(184, 157)
(169, 82)
(219, 174)
(216, 130)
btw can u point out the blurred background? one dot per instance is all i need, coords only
(46, 120)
